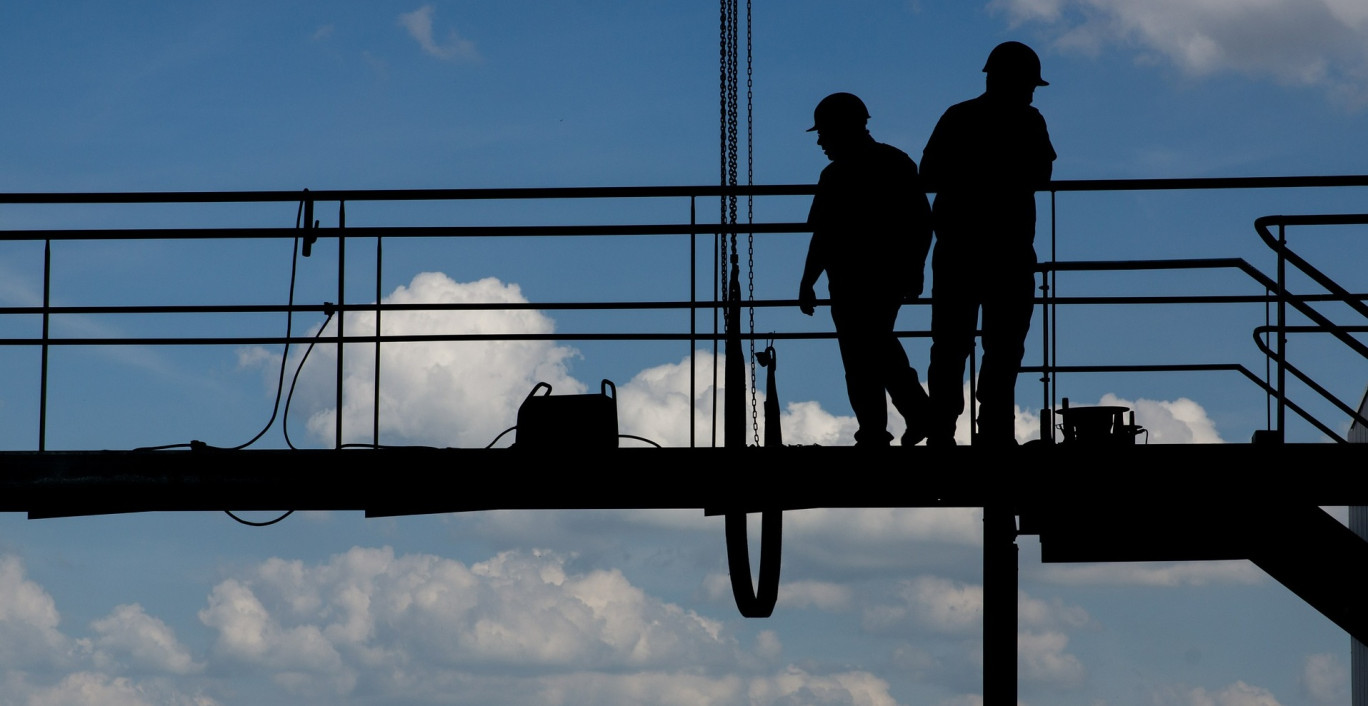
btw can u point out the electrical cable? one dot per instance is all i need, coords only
(289, 330)
(259, 524)
(639, 438)
(285, 419)
(284, 360)
(500, 436)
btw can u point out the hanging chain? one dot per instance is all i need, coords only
(722, 104)
(750, 220)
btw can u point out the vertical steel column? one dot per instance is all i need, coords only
(999, 606)
(1358, 652)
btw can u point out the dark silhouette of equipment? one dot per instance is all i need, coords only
(568, 421)
(1104, 425)
(306, 248)
(769, 360)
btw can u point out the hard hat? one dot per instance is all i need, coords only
(839, 110)
(1015, 59)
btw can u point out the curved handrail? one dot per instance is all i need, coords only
(1300, 375)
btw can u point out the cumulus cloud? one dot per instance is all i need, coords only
(1042, 660)
(1180, 421)
(130, 638)
(928, 603)
(518, 628)
(1053, 613)
(1236, 694)
(467, 393)
(1325, 679)
(1192, 573)
(791, 687)
(419, 26)
(880, 540)
(450, 393)
(91, 688)
(1321, 43)
(29, 637)
(42, 665)
(823, 595)
(368, 612)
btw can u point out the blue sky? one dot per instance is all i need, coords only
(877, 607)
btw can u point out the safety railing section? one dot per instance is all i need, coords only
(360, 239)
(1322, 324)
(673, 214)
(1328, 415)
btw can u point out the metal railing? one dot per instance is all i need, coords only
(721, 236)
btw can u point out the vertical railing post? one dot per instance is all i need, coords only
(43, 373)
(693, 313)
(734, 412)
(379, 294)
(341, 319)
(1282, 332)
(1047, 358)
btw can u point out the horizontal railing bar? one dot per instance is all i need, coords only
(401, 232)
(1282, 182)
(107, 197)
(528, 193)
(613, 305)
(418, 338)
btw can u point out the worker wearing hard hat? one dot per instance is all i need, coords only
(871, 230)
(985, 160)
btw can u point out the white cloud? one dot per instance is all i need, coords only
(806, 423)
(1236, 694)
(1181, 421)
(1037, 613)
(1042, 660)
(466, 393)
(795, 687)
(791, 687)
(1325, 679)
(954, 525)
(451, 393)
(130, 638)
(419, 26)
(822, 595)
(97, 689)
(1321, 43)
(1192, 573)
(929, 603)
(366, 616)
(43, 666)
(29, 637)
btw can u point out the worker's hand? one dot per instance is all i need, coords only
(807, 299)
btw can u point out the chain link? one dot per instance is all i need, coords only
(750, 220)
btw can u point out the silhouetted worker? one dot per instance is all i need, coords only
(871, 229)
(985, 160)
